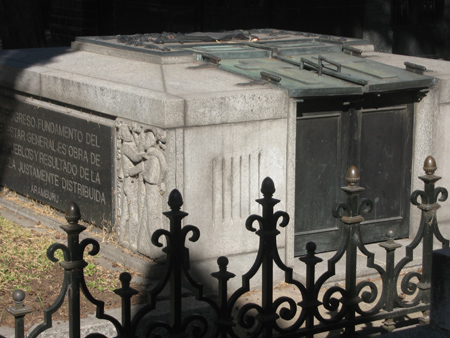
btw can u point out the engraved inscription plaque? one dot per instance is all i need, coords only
(57, 157)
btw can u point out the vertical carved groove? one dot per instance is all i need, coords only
(259, 167)
(223, 189)
(217, 188)
(249, 182)
(213, 193)
(259, 173)
(240, 187)
(232, 183)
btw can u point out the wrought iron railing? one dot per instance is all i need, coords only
(346, 307)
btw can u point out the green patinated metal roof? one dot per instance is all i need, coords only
(307, 65)
(309, 73)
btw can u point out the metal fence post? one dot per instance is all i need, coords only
(310, 303)
(19, 311)
(126, 292)
(428, 222)
(74, 282)
(389, 287)
(352, 222)
(266, 317)
(74, 267)
(177, 258)
(225, 320)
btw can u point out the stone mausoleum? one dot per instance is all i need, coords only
(116, 123)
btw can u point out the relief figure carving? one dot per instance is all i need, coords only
(153, 177)
(142, 170)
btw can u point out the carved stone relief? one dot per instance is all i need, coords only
(141, 173)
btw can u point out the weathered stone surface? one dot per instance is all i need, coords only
(205, 119)
(224, 167)
(445, 88)
(442, 158)
(250, 105)
(140, 189)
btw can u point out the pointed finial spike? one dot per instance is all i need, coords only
(268, 187)
(175, 200)
(429, 165)
(73, 213)
(352, 176)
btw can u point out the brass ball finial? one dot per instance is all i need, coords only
(429, 165)
(352, 176)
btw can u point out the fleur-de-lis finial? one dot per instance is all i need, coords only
(353, 207)
(430, 193)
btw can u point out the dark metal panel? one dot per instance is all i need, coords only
(386, 143)
(376, 140)
(320, 155)
(326, 240)
(317, 161)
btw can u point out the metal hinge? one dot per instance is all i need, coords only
(304, 61)
(266, 78)
(211, 61)
(319, 68)
(351, 50)
(320, 65)
(273, 50)
(270, 77)
(332, 62)
(415, 68)
(211, 58)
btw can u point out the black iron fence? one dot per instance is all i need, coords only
(337, 308)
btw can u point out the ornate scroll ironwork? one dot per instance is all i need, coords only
(346, 306)
(427, 230)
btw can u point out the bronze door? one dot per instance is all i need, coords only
(379, 143)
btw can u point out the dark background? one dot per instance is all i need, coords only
(410, 27)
